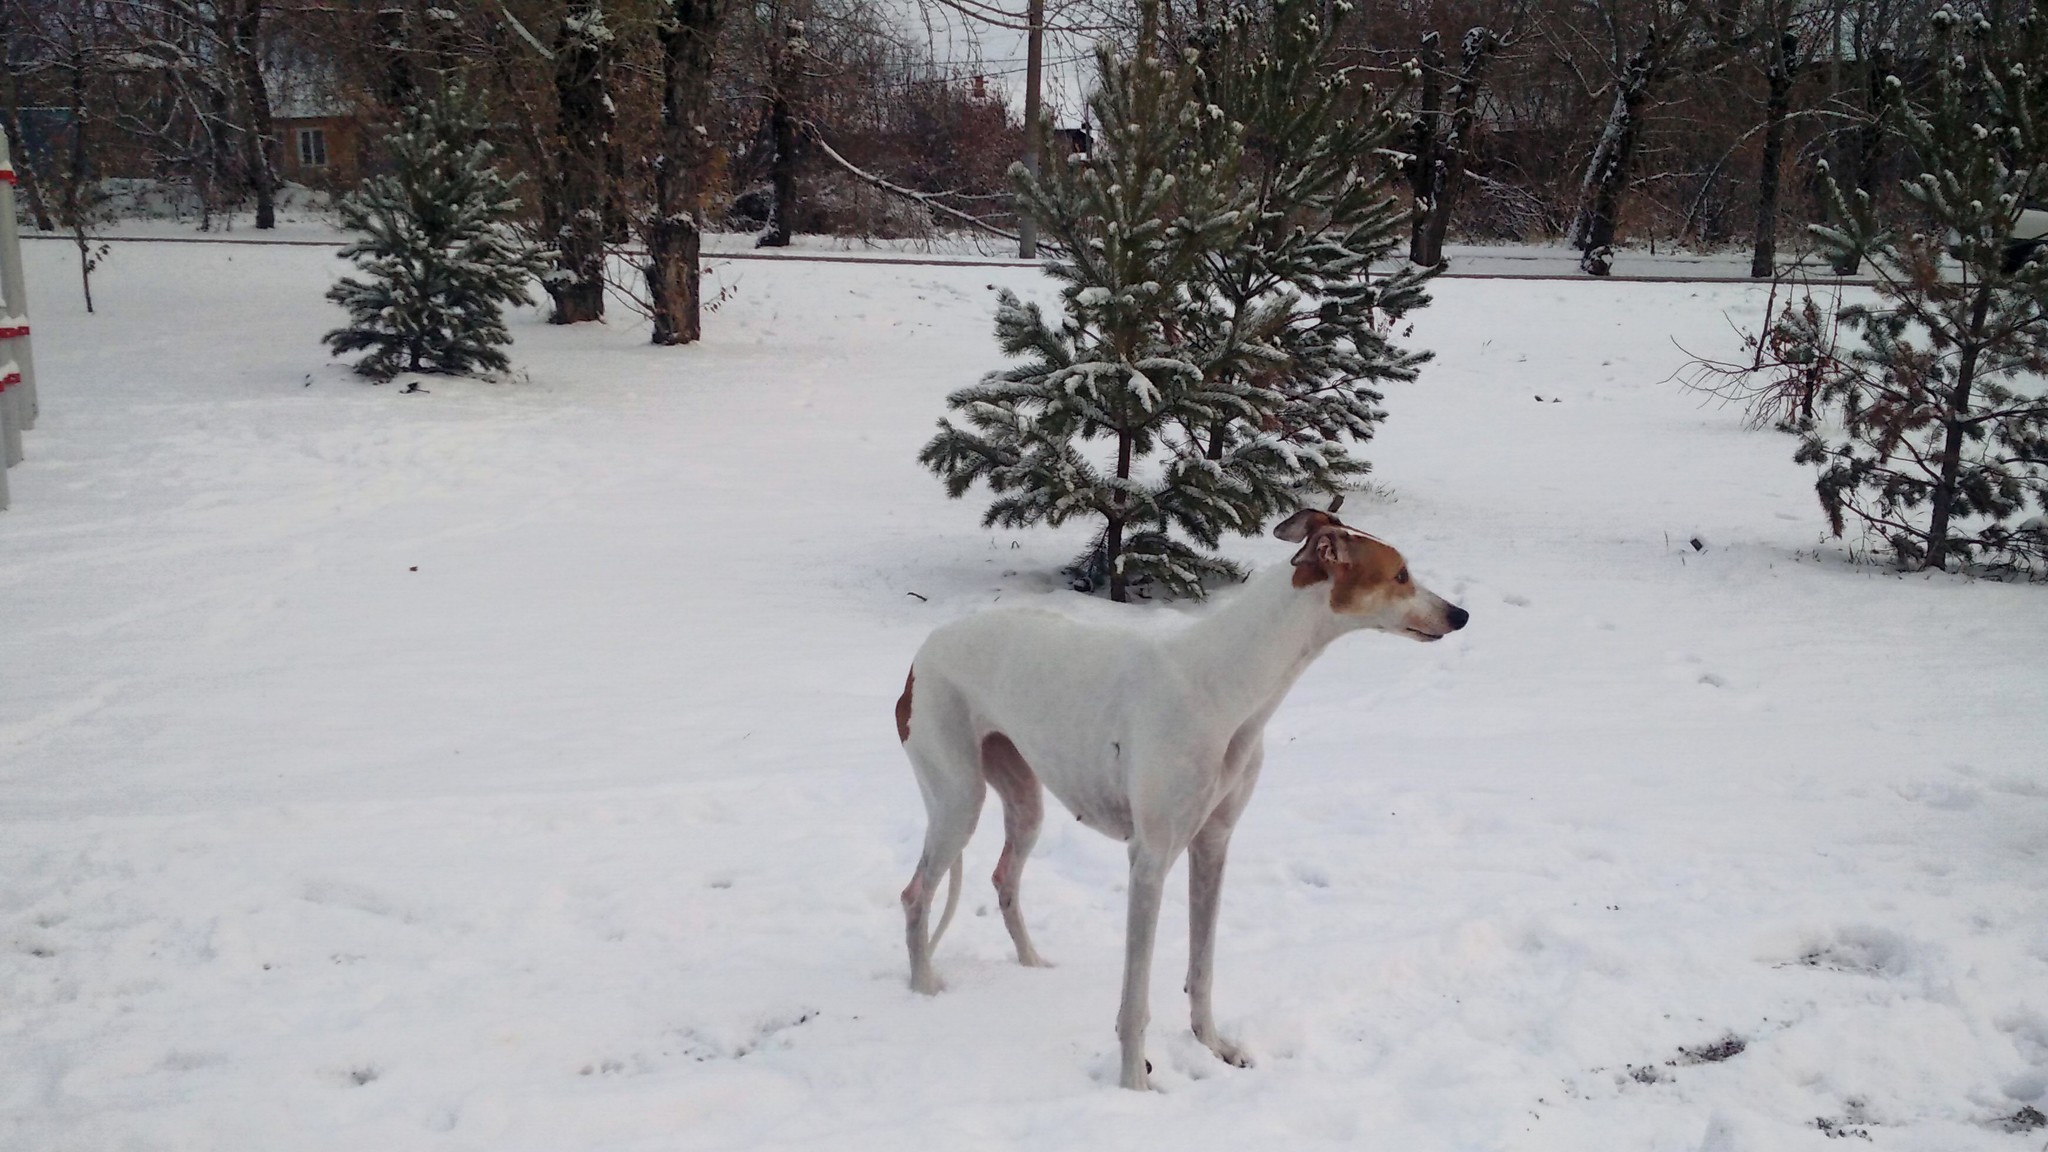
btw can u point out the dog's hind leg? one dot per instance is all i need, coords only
(951, 781)
(1023, 812)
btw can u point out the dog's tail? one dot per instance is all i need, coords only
(952, 902)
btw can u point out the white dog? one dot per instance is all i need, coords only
(1154, 739)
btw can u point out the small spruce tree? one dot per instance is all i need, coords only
(439, 257)
(1221, 328)
(1926, 410)
(1086, 425)
(1299, 337)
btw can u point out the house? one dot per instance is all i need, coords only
(321, 151)
(320, 136)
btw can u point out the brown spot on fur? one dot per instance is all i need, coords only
(903, 707)
(1359, 567)
(1369, 572)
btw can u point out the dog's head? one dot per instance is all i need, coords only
(1369, 582)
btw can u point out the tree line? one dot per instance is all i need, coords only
(640, 123)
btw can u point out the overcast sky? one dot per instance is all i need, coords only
(999, 53)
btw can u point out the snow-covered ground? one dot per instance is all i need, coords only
(511, 766)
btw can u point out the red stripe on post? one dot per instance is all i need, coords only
(9, 380)
(13, 333)
(6, 175)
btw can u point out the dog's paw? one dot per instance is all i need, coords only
(1034, 960)
(927, 984)
(1228, 1052)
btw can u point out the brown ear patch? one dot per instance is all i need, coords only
(1358, 566)
(1372, 568)
(1303, 524)
(903, 706)
(1325, 551)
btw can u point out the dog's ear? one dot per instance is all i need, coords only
(1324, 550)
(1302, 524)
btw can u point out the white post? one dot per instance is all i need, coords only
(17, 370)
(15, 289)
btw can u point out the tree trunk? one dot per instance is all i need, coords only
(1868, 141)
(399, 90)
(218, 193)
(674, 271)
(674, 236)
(1034, 63)
(1113, 539)
(1763, 262)
(1449, 166)
(782, 129)
(25, 173)
(24, 169)
(1956, 421)
(77, 191)
(508, 66)
(1426, 132)
(583, 128)
(1606, 182)
(248, 48)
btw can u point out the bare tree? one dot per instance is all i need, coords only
(244, 40)
(1635, 81)
(1442, 140)
(1782, 65)
(581, 188)
(10, 119)
(71, 42)
(673, 228)
(785, 50)
(1866, 40)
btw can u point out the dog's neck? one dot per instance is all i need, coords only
(1244, 654)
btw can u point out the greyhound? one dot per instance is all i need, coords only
(1153, 739)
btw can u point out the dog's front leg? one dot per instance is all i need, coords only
(1206, 856)
(1205, 895)
(1149, 866)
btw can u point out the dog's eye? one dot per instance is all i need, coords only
(1401, 577)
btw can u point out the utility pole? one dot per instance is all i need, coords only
(1034, 59)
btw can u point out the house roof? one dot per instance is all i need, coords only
(305, 90)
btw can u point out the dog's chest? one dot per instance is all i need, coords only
(1106, 810)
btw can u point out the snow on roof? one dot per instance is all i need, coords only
(305, 89)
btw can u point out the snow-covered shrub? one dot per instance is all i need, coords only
(1221, 337)
(1129, 223)
(1294, 336)
(440, 260)
(1926, 411)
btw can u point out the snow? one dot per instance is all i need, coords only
(512, 766)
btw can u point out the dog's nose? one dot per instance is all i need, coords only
(1457, 616)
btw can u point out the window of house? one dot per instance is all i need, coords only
(312, 148)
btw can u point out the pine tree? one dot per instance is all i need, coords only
(1221, 329)
(440, 259)
(1300, 337)
(1085, 426)
(1926, 412)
